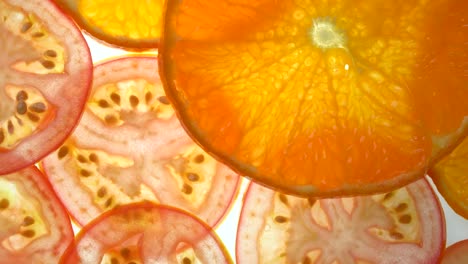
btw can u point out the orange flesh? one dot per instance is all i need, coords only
(319, 97)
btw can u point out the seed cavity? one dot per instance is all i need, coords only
(281, 219)
(115, 98)
(28, 220)
(193, 177)
(63, 151)
(4, 203)
(163, 100)
(405, 219)
(199, 158)
(187, 189)
(38, 107)
(28, 233)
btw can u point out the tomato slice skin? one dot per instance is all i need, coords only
(403, 226)
(129, 146)
(35, 227)
(49, 60)
(157, 234)
(456, 253)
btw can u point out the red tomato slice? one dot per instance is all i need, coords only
(456, 253)
(34, 226)
(403, 226)
(44, 80)
(130, 146)
(146, 233)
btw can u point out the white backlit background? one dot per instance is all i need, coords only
(457, 227)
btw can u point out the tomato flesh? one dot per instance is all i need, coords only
(146, 233)
(34, 226)
(129, 147)
(45, 75)
(405, 225)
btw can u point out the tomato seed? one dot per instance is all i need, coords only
(131, 262)
(283, 198)
(28, 220)
(396, 235)
(4, 203)
(187, 189)
(81, 158)
(306, 260)
(115, 98)
(26, 26)
(103, 103)
(186, 261)
(401, 207)
(21, 96)
(192, 177)
(48, 64)
(199, 158)
(33, 117)
(114, 261)
(11, 128)
(2, 136)
(38, 107)
(134, 101)
(405, 219)
(50, 53)
(85, 173)
(111, 120)
(281, 219)
(388, 196)
(311, 201)
(148, 97)
(125, 252)
(163, 100)
(38, 35)
(28, 233)
(93, 157)
(108, 202)
(63, 151)
(102, 192)
(21, 107)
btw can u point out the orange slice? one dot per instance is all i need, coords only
(321, 97)
(126, 24)
(450, 175)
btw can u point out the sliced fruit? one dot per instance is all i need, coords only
(44, 81)
(326, 98)
(146, 233)
(402, 226)
(130, 25)
(129, 146)
(450, 175)
(34, 226)
(456, 253)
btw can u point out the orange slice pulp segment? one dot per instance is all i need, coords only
(127, 24)
(450, 175)
(319, 98)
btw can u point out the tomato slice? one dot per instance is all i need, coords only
(44, 81)
(130, 146)
(146, 233)
(34, 226)
(456, 253)
(402, 226)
